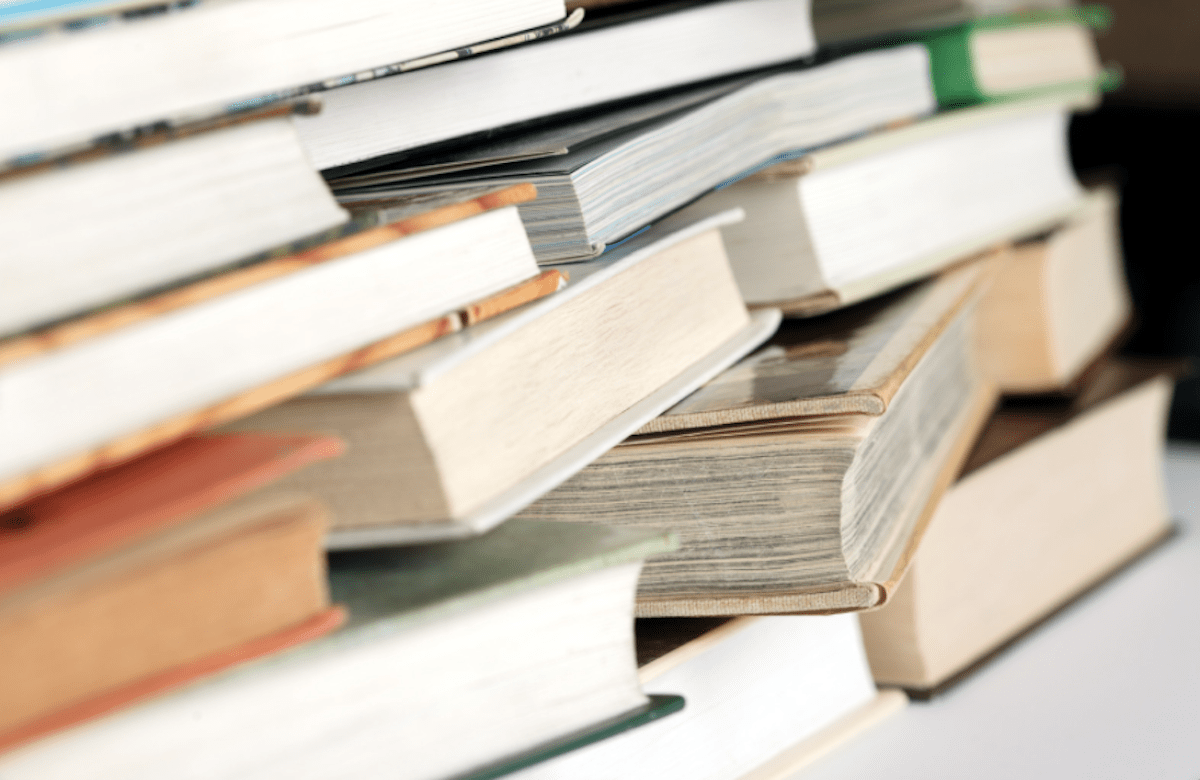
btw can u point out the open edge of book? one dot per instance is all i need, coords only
(30, 484)
(851, 597)
(146, 688)
(946, 122)
(763, 323)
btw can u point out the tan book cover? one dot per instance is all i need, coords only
(1057, 301)
(137, 579)
(1056, 496)
(849, 362)
(750, 468)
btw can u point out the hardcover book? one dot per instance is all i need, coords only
(601, 192)
(800, 479)
(789, 687)
(1057, 301)
(517, 638)
(365, 125)
(453, 438)
(117, 383)
(62, 89)
(138, 579)
(856, 219)
(844, 21)
(1056, 496)
(155, 212)
(1015, 55)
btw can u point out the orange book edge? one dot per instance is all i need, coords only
(25, 487)
(126, 696)
(114, 508)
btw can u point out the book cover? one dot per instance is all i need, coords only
(24, 353)
(848, 362)
(755, 485)
(953, 65)
(1057, 494)
(430, 644)
(105, 590)
(117, 507)
(390, 490)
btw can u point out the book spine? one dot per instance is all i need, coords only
(951, 68)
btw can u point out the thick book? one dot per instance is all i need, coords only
(840, 22)
(451, 439)
(112, 385)
(765, 696)
(456, 656)
(1057, 301)
(856, 219)
(93, 80)
(1015, 55)
(88, 229)
(603, 191)
(15, 14)
(1056, 496)
(577, 70)
(844, 21)
(801, 479)
(553, 137)
(139, 578)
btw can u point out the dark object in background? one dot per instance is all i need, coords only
(1146, 134)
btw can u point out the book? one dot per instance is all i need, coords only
(765, 695)
(837, 23)
(551, 137)
(364, 125)
(517, 638)
(67, 88)
(108, 387)
(159, 210)
(1056, 302)
(1013, 55)
(1056, 496)
(453, 438)
(604, 191)
(844, 21)
(23, 19)
(856, 219)
(128, 582)
(800, 479)
(44, 12)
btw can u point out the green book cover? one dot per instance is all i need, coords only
(953, 70)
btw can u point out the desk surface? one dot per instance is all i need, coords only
(1109, 688)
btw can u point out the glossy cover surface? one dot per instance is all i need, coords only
(852, 361)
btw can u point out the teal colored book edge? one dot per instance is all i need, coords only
(658, 707)
(953, 74)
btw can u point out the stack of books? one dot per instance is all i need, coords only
(482, 389)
